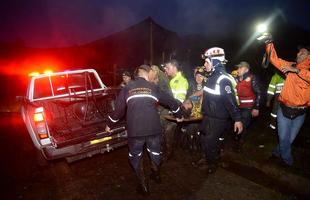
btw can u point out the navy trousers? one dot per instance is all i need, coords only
(136, 145)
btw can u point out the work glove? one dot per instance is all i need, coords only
(265, 37)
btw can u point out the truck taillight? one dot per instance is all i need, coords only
(41, 128)
(38, 117)
(40, 123)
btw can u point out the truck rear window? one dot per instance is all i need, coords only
(42, 88)
(64, 84)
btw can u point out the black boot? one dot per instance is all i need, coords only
(238, 143)
(168, 154)
(211, 168)
(273, 123)
(142, 187)
(201, 162)
(155, 174)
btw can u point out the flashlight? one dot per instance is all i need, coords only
(262, 31)
(261, 28)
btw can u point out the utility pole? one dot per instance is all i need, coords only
(163, 56)
(114, 74)
(151, 42)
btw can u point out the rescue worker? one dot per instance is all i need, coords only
(158, 77)
(179, 86)
(139, 101)
(294, 98)
(218, 106)
(249, 95)
(178, 83)
(273, 92)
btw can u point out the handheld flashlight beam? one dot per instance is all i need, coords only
(261, 28)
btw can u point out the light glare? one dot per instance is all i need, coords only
(261, 28)
(48, 72)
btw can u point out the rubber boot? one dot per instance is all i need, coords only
(155, 173)
(273, 123)
(238, 142)
(211, 168)
(142, 187)
(201, 162)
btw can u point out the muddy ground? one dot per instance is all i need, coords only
(109, 176)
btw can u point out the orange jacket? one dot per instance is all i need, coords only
(296, 89)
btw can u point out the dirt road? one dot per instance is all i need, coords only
(108, 176)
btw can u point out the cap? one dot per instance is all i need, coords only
(304, 47)
(126, 73)
(243, 64)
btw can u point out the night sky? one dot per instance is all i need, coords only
(57, 23)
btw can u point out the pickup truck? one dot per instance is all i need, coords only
(66, 113)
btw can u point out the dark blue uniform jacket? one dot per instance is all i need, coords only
(219, 100)
(139, 100)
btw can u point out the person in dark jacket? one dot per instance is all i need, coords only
(139, 101)
(249, 94)
(126, 76)
(218, 106)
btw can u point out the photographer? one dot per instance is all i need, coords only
(294, 98)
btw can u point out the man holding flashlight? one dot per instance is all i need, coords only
(294, 98)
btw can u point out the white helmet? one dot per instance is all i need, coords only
(215, 53)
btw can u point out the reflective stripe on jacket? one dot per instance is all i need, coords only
(275, 85)
(179, 86)
(218, 97)
(246, 93)
(234, 85)
(138, 100)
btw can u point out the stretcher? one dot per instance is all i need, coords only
(190, 119)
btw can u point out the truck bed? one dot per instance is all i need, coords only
(72, 122)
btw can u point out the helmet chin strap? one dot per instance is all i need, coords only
(209, 60)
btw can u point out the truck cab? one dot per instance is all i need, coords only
(66, 113)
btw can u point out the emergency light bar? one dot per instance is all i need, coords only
(47, 72)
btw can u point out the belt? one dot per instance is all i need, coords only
(296, 107)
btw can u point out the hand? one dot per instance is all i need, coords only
(197, 93)
(107, 129)
(255, 113)
(238, 127)
(289, 68)
(265, 37)
(180, 119)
